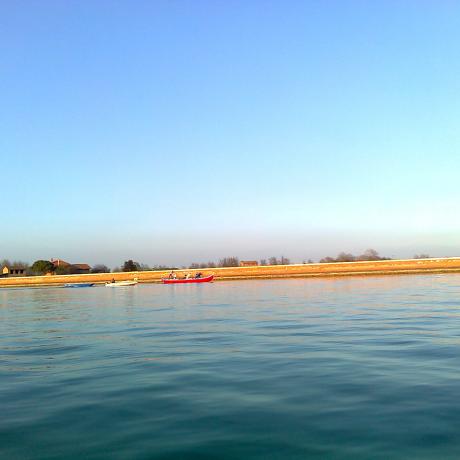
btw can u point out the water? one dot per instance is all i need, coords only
(333, 368)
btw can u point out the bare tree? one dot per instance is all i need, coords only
(369, 254)
(345, 257)
(229, 262)
(20, 264)
(164, 267)
(327, 260)
(422, 256)
(209, 264)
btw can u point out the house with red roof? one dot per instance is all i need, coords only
(72, 268)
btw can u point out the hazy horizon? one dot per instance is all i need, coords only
(298, 249)
(172, 133)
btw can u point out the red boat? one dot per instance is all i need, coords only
(205, 279)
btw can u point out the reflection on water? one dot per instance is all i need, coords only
(316, 368)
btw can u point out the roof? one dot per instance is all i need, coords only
(60, 263)
(82, 266)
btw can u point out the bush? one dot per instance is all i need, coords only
(131, 266)
(42, 267)
(100, 268)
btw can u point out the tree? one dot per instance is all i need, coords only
(164, 267)
(20, 264)
(345, 257)
(130, 266)
(327, 260)
(196, 265)
(42, 267)
(229, 262)
(5, 262)
(100, 268)
(422, 256)
(369, 254)
(15, 263)
(263, 262)
(275, 261)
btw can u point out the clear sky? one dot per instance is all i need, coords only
(182, 131)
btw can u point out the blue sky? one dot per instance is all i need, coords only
(180, 131)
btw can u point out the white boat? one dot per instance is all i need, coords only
(121, 284)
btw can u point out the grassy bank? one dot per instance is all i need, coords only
(381, 267)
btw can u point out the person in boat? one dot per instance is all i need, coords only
(113, 280)
(198, 275)
(172, 275)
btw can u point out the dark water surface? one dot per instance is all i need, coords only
(334, 368)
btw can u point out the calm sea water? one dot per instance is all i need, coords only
(330, 369)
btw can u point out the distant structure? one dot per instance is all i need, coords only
(248, 263)
(13, 271)
(82, 268)
(60, 263)
(76, 268)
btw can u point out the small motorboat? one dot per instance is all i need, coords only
(205, 279)
(121, 284)
(78, 285)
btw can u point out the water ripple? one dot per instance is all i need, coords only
(341, 368)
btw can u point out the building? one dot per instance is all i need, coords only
(249, 263)
(82, 268)
(60, 263)
(71, 268)
(13, 271)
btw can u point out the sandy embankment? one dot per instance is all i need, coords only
(383, 267)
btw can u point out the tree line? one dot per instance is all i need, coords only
(235, 262)
(42, 267)
(369, 254)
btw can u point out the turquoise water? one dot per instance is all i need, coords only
(333, 368)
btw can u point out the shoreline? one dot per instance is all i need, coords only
(336, 269)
